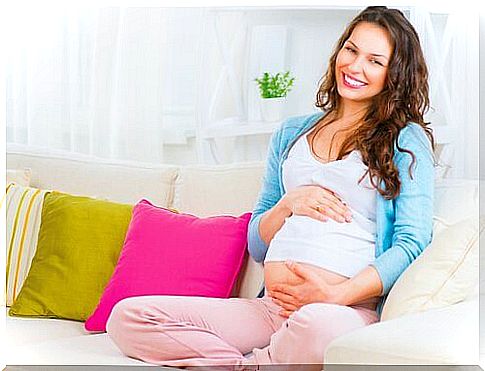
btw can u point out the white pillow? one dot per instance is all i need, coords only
(20, 177)
(444, 274)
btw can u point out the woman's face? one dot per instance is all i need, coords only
(362, 63)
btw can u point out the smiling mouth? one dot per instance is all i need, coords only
(351, 82)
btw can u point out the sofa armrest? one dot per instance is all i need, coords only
(442, 336)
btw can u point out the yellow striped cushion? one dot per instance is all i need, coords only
(23, 212)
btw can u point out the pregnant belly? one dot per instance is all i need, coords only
(278, 273)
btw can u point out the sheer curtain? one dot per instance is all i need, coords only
(110, 83)
(140, 84)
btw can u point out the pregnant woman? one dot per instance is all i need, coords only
(346, 206)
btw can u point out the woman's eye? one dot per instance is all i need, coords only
(348, 48)
(376, 62)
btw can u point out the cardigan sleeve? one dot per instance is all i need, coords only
(269, 195)
(413, 208)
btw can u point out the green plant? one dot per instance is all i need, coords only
(275, 86)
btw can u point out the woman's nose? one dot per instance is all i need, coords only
(356, 65)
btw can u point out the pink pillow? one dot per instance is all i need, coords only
(166, 253)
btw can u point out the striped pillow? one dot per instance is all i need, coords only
(24, 208)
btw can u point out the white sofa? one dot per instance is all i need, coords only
(442, 336)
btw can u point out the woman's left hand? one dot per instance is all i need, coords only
(312, 289)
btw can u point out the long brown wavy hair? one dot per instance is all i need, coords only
(403, 99)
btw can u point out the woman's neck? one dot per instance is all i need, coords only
(349, 111)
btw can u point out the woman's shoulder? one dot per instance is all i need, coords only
(294, 125)
(413, 137)
(413, 133)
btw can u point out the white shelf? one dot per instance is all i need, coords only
(443, 134)
(235, 128)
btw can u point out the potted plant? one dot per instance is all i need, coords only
(273, 90)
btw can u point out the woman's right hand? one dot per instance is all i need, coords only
(316, 202)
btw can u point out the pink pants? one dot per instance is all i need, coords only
(196, 331)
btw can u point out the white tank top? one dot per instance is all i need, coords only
(344, 248)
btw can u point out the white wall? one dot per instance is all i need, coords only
(482, 178)
(482, 98)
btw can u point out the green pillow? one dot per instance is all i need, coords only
(80, 239)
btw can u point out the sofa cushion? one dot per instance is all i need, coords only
(216, 190)
(438, 336)
(444, 274)
(167, 253)
(29, 330)
(23, 217)
(116, 181)
(89, 350)
(80, 239)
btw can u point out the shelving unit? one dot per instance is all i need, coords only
(235, 128)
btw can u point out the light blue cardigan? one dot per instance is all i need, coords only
(404, 225)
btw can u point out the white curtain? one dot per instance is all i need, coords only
(111, 83)
(141, 84)
(450, 43)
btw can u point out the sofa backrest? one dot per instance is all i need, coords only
(219, 189)
(105, 180)
(198, 190)
(202, 191)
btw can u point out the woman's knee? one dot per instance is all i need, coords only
(304, 335)
(323, 322)
(122, 314)
(130, 327)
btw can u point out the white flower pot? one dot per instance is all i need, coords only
(272, 108)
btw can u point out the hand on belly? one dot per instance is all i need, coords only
(310, 290)
(278, 273)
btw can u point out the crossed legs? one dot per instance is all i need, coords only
(196, 331)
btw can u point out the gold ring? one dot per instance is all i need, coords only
(318, 208)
